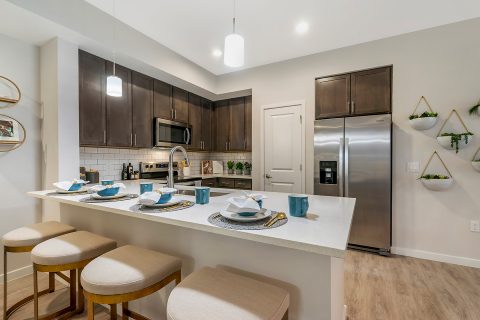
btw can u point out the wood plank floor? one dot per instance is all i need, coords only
(376, 288)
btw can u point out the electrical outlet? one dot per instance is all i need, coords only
(475, 226)
(413, 167)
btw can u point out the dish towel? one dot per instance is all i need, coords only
(98, 188)
(152, 197)
(66, 185)
(247, 203)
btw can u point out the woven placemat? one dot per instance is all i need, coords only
(66, 194)
(220, 221)
(184, 204)
(93, 200)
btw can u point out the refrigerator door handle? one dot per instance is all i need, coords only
(346, 167)
(340, 166)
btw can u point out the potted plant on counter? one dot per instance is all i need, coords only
(239, 167)
(230, 165)
(248, 168)
(423, 121)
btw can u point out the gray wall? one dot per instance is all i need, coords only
(440, 63)
(20, 170)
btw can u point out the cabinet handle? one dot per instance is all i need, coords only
(135, 139)
(175, 114)
(245, 144)
(105, 136)
(226, 145)
(131, 139)
(171, 113)
(229, 146)
(353, 106)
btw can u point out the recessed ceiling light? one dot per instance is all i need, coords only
(302, 27)
(217, 53)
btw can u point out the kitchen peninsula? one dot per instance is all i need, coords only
(304, 256)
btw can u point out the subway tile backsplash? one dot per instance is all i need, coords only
(108, 161)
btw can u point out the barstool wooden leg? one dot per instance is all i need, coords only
(178, 277)
(51, 282)
(113, 312)
(73, 289)
(35, 293)
(124, 310)
(90, 309)
(81, 296)
(4, 283)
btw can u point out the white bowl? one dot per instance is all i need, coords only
(423, 123)
(447, 144)
(476, 165)
(437, 184)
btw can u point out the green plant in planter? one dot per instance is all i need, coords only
(434, 176)
(455, 138)
(230, 165)
(239, 167)
(426, 114)
(474, 111)
(248, 167)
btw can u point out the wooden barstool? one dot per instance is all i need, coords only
(70, 252)
(24, 240)
(216, 294)
(125, 274)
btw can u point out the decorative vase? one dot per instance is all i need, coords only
(437, 184)
(446, 142)
(239, 172)
(230, 171)
(247, 172)
(423, 123)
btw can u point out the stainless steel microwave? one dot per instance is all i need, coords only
(171, 133)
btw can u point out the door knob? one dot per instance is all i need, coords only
(268, 176)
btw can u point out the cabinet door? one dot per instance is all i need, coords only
(162, 100)
(248, 123)
(245, 184)
(180, 104)
(119, 111)
(332, 96)
(92, 100)
(142, 110)
(226, 183)
(207, 124)
(222, 125)
(195, 120)
(371, 91)
(237, 124)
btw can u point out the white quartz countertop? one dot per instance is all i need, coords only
(324, 231)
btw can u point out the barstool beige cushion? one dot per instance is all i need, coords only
(127, 269)
(70, 248)
(36, 233)
(215, 294)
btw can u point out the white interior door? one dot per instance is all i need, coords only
(283, 149)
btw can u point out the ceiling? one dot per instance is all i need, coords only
(194, 28)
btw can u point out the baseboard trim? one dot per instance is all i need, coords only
(463, 261)
(18, 273)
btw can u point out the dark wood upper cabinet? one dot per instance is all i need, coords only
(206, 125)
(357, 93)
(222, 125)
(92, 100)
(370, 91)
(180, 105)
(237, 124)
(332, 96)
(195, 120)
(248, 123)
(142, 110)
(162, 100)
(119, 111)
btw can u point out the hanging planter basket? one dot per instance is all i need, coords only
(476, 161)
(436, 182)
(424, 121)
(454, 141)
(11, 100)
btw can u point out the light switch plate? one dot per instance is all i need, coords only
(413, 167)
(475, 226)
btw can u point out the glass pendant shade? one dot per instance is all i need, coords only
(234, 52)
(114, 86)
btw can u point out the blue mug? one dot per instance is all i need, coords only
(106, 182)
(202, 195)
(146, 187)
(298, 205)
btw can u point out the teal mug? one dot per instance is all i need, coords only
(146, 187)
(106, 182)
(298, 205)
(202, 195)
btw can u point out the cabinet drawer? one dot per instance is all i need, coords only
(226, 183)
(243, 184)
(212, 183)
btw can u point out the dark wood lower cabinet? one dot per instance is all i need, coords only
(228, 183)
(142, 110)
(119, 111)
(212, 183)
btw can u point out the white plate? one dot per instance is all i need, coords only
(263, 214)
(81, 190)
(170, 203)
(96, 196)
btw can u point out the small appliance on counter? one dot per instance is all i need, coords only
(159, 171)
(93, 176)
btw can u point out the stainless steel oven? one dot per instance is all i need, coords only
(171, 133)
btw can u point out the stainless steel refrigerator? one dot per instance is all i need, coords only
(353, 159)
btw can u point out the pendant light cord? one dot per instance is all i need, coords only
(234, 13)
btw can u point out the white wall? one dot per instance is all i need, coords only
(440, 63)
(20, 170)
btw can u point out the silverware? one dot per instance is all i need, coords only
(271, 219)
(278, 216)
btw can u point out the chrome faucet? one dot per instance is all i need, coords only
(170, 183)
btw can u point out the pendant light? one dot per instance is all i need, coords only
(114, 83)
(234, 51)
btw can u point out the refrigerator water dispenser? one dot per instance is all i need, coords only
(328, 172)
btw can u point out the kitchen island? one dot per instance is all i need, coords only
(304, 256)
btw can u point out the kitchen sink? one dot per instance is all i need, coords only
(192, 193)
